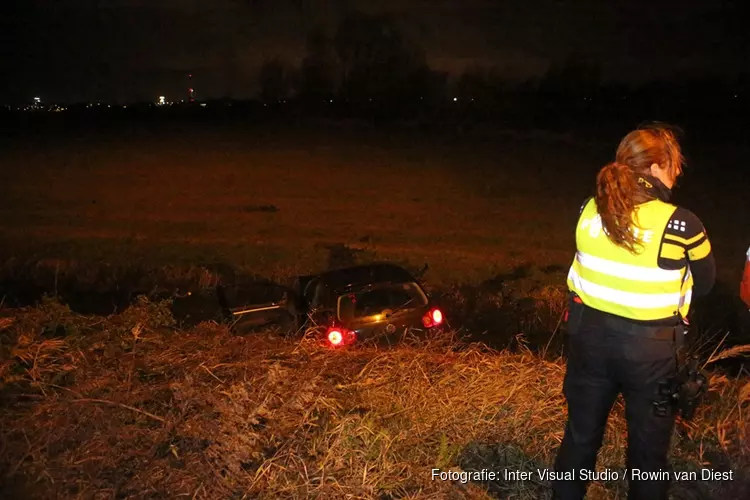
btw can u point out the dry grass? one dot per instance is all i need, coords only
(127, 407)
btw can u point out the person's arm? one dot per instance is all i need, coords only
(745, 285)
(686, 242)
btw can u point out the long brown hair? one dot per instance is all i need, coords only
(618, 189)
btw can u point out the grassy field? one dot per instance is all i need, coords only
(275, 204)
(153, 206)
(128, 406)
(471, 205)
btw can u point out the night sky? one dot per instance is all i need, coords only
(126, 50)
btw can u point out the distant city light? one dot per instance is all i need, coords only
(37, 100)
(162, 100)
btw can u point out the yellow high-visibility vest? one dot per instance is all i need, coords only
(612, 279)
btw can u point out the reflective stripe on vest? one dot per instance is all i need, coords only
(612, 279)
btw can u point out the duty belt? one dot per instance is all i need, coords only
(659, 332)
(674, 332)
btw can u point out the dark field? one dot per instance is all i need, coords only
(470, 204)
(131, 405)
(271, 201)
(144, 205)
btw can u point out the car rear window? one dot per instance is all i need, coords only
(376, 300)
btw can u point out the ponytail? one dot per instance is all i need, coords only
(616, 190)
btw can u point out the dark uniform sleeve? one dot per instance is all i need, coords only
(685, 242)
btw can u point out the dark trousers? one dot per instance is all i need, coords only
(602, 362)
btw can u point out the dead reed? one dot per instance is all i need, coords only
(129, 407)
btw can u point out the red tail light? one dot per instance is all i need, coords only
(437, 316)
(335, 337)
(433, 318)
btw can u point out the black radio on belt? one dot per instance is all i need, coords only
(684, 391)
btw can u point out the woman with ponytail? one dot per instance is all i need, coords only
(639, 261)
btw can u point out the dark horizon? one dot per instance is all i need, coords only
(134, 50)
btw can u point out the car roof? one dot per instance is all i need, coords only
(359, 276)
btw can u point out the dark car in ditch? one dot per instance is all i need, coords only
(379, 301)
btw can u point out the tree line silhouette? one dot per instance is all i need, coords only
(370, 59)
